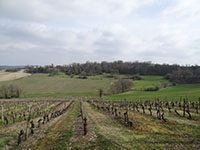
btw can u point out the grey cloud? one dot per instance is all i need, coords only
(64, 31)
(45, 10)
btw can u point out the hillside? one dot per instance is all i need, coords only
(42, 85)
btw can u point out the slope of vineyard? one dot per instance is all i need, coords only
(100, 124)
(146, 131)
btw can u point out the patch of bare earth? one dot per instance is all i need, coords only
(6, 76)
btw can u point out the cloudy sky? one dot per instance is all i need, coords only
(65, 31)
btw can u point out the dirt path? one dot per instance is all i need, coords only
(6, 76)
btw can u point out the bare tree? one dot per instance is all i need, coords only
(121, 86)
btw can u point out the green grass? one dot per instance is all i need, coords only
(192, 91)
(147, 82)
(63, 95)
(103, 144)
(42, 85)
(58, 136)
(4, 139)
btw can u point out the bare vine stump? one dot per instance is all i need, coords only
(6, 120)
(163, 118)
(39, 122)
(176, 112)
(32, 127)
(85, 125)
(21, 133)
(184, 103)
(150, 111)
(2, 113)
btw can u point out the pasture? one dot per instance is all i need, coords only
(191, 91)
(42, 85)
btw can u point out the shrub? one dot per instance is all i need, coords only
(156, 88)
(166, 84)
(101, 92)
(111, 76)
(82, 77)
(136, 77)
(12, 70)
(54, 72)
(10, 91)
(121, 86)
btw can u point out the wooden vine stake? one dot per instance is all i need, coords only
(28, 121)
(126, 113)
(2, 112)
(184, 106)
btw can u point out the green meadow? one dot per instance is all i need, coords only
(191, 91)
(43, 85)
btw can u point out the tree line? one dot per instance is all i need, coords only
(174, 73)
(185, 75)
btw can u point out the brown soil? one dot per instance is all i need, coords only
(6, 76)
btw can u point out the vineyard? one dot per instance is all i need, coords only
(99, 75)
(19, 118)
(88, 123)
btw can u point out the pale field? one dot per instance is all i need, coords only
(6, 76)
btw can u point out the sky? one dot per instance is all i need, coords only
(43, 32)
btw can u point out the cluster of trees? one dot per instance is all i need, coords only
(185, 75)
(190, 74)
(40, 69)
(116, 67)
(12, 69)
(10, 91)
